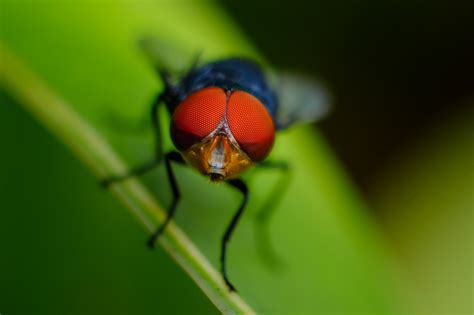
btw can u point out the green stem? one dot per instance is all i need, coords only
(58, 116)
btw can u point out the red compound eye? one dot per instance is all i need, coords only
(197, 116)
(251, 125)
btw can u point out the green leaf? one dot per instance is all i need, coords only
(75, 65)
(427, 193)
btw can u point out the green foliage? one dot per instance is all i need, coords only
(332, 254)
(428, 195)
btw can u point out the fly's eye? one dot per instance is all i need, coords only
(251, 124)
(197, 116)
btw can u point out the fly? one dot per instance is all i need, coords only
(224, 115)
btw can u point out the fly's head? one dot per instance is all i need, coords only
(222, 133)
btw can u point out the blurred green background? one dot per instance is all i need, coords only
(402, 126)
(403, 122)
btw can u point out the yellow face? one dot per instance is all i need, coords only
(218, 157)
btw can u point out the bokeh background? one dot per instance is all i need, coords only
(402, 124)
(402, 127)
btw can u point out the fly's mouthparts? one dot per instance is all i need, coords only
(219, 154)
(216, 177)
(217, 157)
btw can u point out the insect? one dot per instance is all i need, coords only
(224, 115)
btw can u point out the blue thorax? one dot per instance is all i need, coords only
(229, 74)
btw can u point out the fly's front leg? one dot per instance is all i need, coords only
(172, 156)
(242, 187)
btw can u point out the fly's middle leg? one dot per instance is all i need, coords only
(158, 154)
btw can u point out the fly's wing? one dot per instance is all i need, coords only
(167, 57)
(301, 99)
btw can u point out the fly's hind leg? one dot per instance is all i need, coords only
(267, 210)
